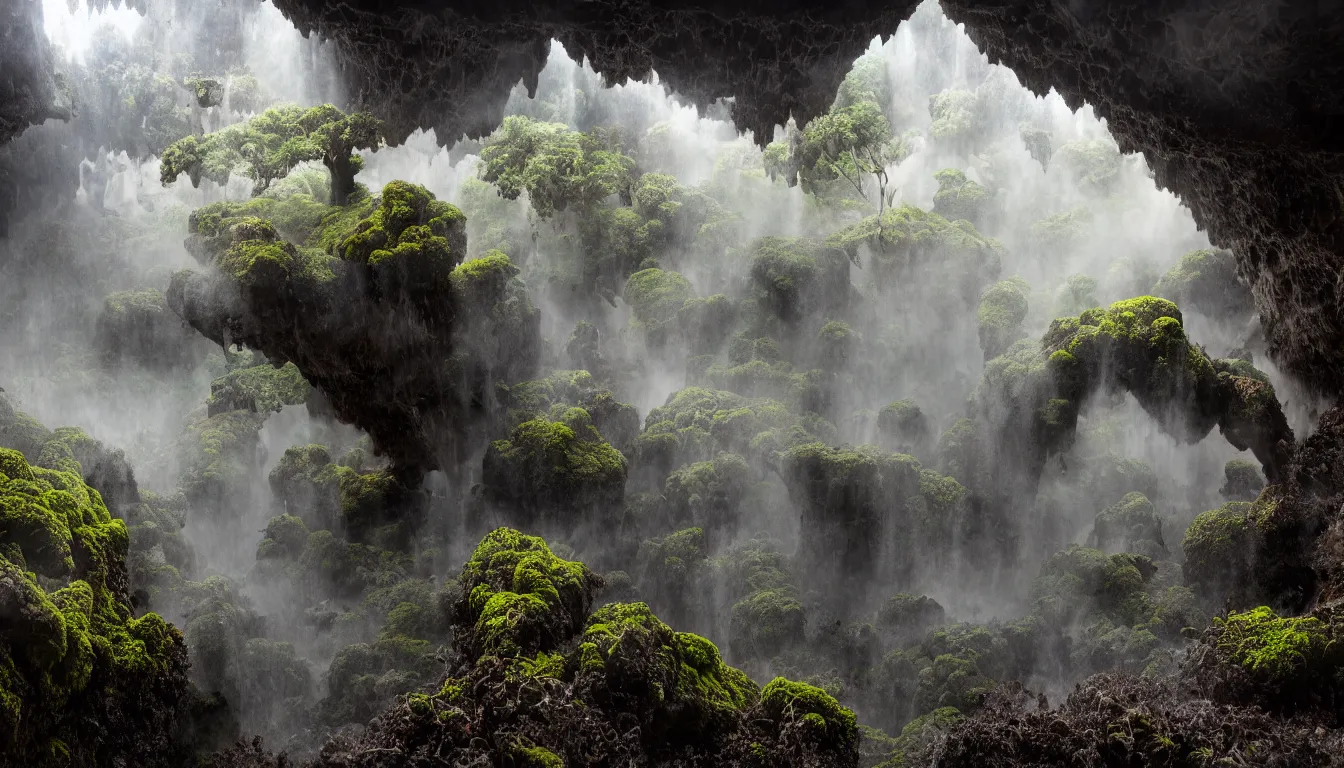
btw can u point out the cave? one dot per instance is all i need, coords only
(880, 347)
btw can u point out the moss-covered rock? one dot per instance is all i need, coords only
(912, 246)
(959, 198)
(259, 389)
(71, 651)
(1130, 525)
(1206, 281)
(138, 327)
(1003, 308)
(518, 598)
(859, 503)
(796, 277)
(375, 286)
(903, 428)
(555, 469)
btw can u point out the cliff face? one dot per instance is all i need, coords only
(1236, 106)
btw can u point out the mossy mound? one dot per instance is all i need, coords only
(1284, 664)
(912, 245)
(860, 502)
(1206, 281)
(1003, 308)
(798, 277)
(556, 686)
(70, 649)
(555, 469)
(259, 389)
(1130, 525)
(959, 198)
(138, 327)
(519, 598)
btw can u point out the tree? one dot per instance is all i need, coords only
(846, 143)
(272, 144)
(557, 166)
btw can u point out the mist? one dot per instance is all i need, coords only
(783, 426)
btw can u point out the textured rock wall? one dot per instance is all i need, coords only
(1239, 109)
(450, 66)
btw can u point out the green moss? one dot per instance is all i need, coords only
(550, 465)
(785, 701)
(57, 645)
(525, 755)
(1218, 544)
(955, 256)
(1292, 655)
(519, 597)
(681, 682)
(1003, 308)
(655, 296)
(766, 623)
(262, 389)
(958, 197)
(1132, 525)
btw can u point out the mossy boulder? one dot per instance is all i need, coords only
(258, 389)
(1130, 525)
(71, 651)
(518, 598)
(796, 277)
(138, 327)
(959, 198)
(1206, 281)
(555, 469)
(1242, 480)
(812, 709)
(1003, 309)
(676, 682)
(1285, 664)
(902, 427)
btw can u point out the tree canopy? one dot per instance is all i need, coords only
(557, 166)
(272, 144)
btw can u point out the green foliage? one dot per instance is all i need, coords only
(558, 167)
(518, 598)
(682, 687)
(1094, 164)
(1130, 525)
(903, 427)
(1003, 309)
(906, 242)
(270, 145)
(260, 389)
(841, 147)
(955, 116)
(71, 653)
(785, 701)
(1062, 231)
(1282, 650)
(766, 623)
(655, 296)
(1218, 547)
(549, 466)
(796, 277)
(1242, 480)
(958, 197)
(1206, 281)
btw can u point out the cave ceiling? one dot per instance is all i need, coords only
(1238, 105)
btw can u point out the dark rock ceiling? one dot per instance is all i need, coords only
(1238, 105)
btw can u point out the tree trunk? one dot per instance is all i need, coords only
(342, 178)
